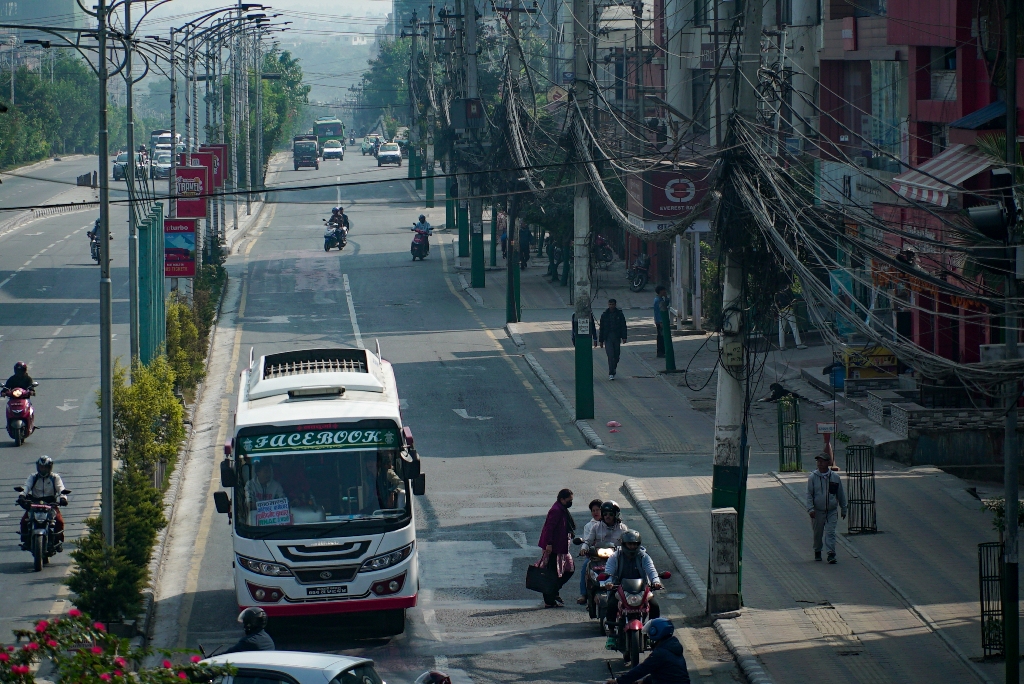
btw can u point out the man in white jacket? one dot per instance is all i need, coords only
(826, 498)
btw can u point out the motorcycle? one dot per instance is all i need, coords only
(334, 237)
(420, 247)
(94, 245)
(603, 254)
(637, 274)
(352, 140)
(597, 595)
(43, 540)
(634, 610)
(21, 417)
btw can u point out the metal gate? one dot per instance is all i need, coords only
(990, 574)
(789, 435)
(860, 479)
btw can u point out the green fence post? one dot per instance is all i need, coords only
(145, 227)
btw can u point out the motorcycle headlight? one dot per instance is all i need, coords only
(40, 516)
(263, 567)
(386, 560)
(634, 600)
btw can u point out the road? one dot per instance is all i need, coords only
(49, 317)
(492, 472)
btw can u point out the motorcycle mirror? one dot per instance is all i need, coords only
(665, 574)
(202, 650)
(35, 384)
(65, 492)
(577, 540)
(19, 488)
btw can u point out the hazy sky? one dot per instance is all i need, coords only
(307, 16)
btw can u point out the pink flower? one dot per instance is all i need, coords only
(96, 650)
(4, 657)
(196, 659)
(42, 625)
(118, 673)
(119, 661)
(167, 663)
(20, 669)
(74, 612)
(182, 675)
(10, 648)
(99, 626)
(51, 643)
(105, 676)
(31, 646)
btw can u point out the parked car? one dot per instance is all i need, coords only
(161, 167)
(389, 153)
(368, 143)
(141, 166)
(333, 150)
(293, 667)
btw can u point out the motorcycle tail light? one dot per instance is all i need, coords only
(634, 600)
(264, 594)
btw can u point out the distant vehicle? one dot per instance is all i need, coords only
(333, 150)
(305, 151)
(161, 167)
(368, 143)
(177, 254)
(300, 668)
(328, 128)
(389, 153)
(121, 161)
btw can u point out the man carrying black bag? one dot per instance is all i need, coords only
(555, 566)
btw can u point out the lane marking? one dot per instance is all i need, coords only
(9, 278)
(57, 332)
(464, 414)
(338, 188)
(352, 312)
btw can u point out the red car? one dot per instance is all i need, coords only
(177, 254)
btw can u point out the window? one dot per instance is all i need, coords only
(260, 677)
(701, 108)
(784, 12)
(360, 674)
(700, 12)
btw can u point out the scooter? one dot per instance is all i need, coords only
(43, 541)
(334, 238)
(21, 417)
(603, 254)
(597, 596)
(420, 247)
(637, 274)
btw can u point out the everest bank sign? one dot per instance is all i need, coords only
(656, 195)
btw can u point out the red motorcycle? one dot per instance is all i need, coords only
(603, 253)
(634, 611)
(21, 417)
(420, 244)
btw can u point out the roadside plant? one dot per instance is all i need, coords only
(998, 507)
(148, 418)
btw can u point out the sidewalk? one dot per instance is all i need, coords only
(900, 606)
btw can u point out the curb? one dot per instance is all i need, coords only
(904, 597)
(727, 630)
(474, 294)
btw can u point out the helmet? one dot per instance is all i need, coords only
(610, 507)
(433, 677)
(253, 620)
(630, 537)
(659, 629)
(20, 367)
(44, 466)
(335, 210)
(423, 217)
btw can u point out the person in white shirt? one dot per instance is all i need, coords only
(46, 486)
(595, 519)
(263, 487)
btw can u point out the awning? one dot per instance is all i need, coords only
(980, 118)
(936, 178)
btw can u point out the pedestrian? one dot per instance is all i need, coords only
(559, 528)
(595, 518)
(660, 306)
(525, 240)
(826, 499)
(784, 303)
(504, 243)
(593, 329)
(613, 335)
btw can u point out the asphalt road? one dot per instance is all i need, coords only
(49, 317)
(492, 473)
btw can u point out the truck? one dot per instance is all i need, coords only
(328, 128)
(305, 151)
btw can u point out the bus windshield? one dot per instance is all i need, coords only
(304, 493)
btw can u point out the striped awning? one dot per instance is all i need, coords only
(936, 178)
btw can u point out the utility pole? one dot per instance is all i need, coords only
(513, 303)
(431, 114)
(106, 357)
(133, 236)
(462, 205)
(236, 117)
(413, 106)
(248, 123)
(171, 182)
(476, 206)
(1011, 588)
(258, 51)
(730, 459)
(581, 10)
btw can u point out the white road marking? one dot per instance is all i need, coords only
(57, 332)
(403, 403)
(352, 312)
(28, 262)
(462, 413)
(48, 343)
(66, 322)
(8, 279)
(338, 188)
(66, 406)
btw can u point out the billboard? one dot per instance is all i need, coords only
(193, 184)
(220, 156)
(179, 248)
(656, 195)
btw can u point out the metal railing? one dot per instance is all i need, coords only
(990, 577)
(789, 435)
(860, 480)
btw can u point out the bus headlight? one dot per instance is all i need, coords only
(264, 567)
(387, 560)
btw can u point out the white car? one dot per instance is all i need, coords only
(333, 150)
(389, 153)
(295, 667)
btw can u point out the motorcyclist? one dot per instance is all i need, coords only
(433, 677)
(422, 226)
(631, 561)
(608, 532)
(665, 664)
(46, 486)
(21, 379)
(339, 221)
(254, 622)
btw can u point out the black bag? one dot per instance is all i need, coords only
(542, 580)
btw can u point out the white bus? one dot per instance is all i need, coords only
(321, 472)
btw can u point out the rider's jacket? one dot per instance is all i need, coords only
(23, 381)
(602, 535)
(40, 487)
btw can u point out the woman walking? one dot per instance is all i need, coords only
(554, 539)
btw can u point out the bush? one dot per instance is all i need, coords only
(148, 418)
(189, 325)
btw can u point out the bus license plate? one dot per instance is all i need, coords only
(326, 591)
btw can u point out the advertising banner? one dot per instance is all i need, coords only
(220, 157)
(193, 184)
(179, 248)
(665, 194)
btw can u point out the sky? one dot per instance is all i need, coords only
(308, 17)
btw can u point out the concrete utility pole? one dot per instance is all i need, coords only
(236, 117)
(476, 204)
(133, 237)
(171, 183)
(246, 103)
(1011, 589)
(413, 105)
(581, 10)
(728, 490)
(106, 357)
(431, 114)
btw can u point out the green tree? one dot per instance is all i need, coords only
(148, 418)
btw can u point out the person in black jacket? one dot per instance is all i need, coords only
(254, 622)
(21, 379)
(613, 335)
(665, 664)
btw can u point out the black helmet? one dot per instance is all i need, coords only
(20, 367)
(631, 537)
(610, 507)
(433, 677)
(423, 217)
(253, 620)
(44, 466)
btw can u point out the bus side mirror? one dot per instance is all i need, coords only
(419, 485)
(227, 475)
(410, 469)
(223, 503)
